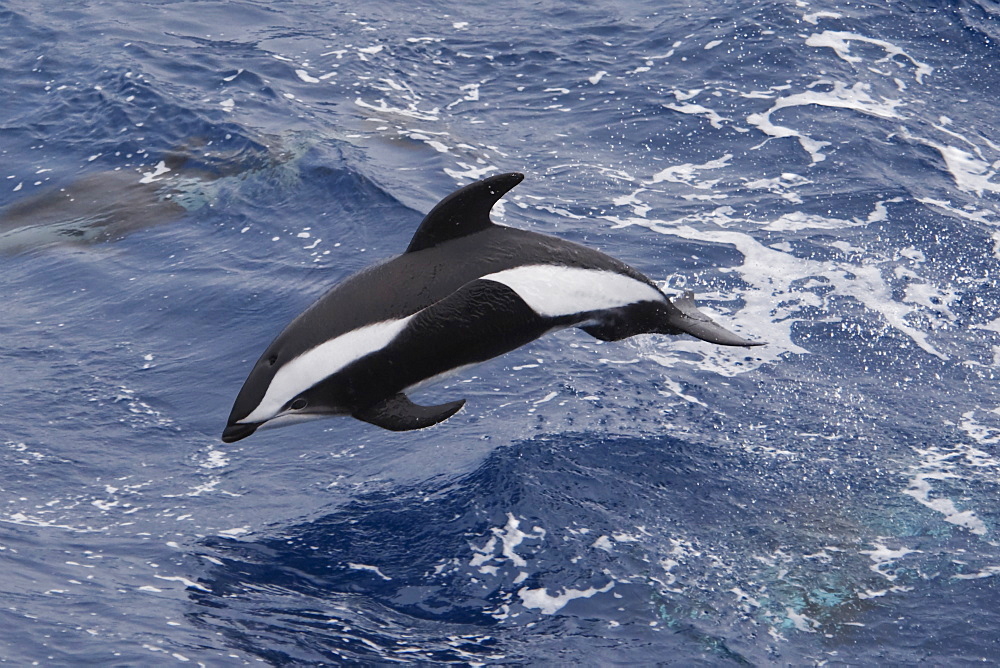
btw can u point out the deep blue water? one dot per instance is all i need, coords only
(822, 175)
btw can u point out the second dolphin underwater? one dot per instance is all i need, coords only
(465, 290)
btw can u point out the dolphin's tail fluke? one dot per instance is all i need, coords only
(686, 318)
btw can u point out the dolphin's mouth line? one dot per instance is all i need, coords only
(240, 429)
(237, 431)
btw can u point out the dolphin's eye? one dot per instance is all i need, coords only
(298, 404)
(272, 359)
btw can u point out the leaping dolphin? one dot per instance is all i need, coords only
(466, 290)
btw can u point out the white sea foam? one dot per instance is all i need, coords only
(798, 220)
(681, 96)
(437, 145)
(781, 185)
(688, 172)
(971, 172)
(549, 604)
(214, 459)
(305, 76)
(712, 116)
(603, 543)
(921, 490)
(507, 539)
(371, 569)
(33, 521)
(815, 17)
(676, 390)
(975, 215)
(987, 572)
(471, 94)
(159, 170)
(884, 558)
(411, 111)
(470, 172)
(840, 42)
(944, 466)
(190, 584)
(638, 207)
(778, 290)
(856, 97)
(801, 622)
(547, 398)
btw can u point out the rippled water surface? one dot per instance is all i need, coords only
(180, 179)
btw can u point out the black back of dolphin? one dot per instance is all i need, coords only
(437, 278)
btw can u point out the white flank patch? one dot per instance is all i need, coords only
(552, 290)
(324, 360)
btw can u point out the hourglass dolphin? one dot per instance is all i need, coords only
(465, 290)
(108, 205)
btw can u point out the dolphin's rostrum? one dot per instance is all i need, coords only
(465, 290)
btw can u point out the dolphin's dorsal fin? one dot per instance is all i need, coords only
(465, 211)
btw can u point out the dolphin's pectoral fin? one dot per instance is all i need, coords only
(688, 319)
(398, 413)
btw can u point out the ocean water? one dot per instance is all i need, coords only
(180, 179)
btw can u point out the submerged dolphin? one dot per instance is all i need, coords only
(465, 290)
(97, 207)
(106, 206)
